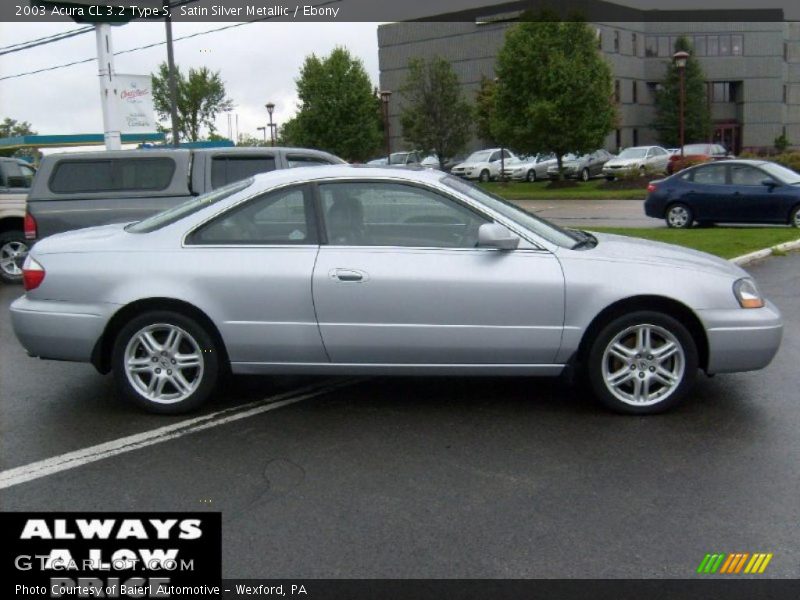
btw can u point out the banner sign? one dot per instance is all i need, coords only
(135, 104)
(111, 555)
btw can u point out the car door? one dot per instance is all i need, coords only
(658, 160)
(256, 260)
(709, 196)
(401, 281)
(753, 201)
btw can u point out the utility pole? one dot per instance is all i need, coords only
(173, 88)
(108, 92)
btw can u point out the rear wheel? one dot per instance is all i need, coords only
(484, 176)
(12, 247)
(679, 216)
(642, 363)
(585, 175)
(531, 176)
(165, 362)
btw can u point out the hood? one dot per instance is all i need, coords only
(628, 249)
(80, 240)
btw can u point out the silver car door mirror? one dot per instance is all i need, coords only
(494, 235)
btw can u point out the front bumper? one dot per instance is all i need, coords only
(59, 330)
(741, 339)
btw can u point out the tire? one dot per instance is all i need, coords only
(12, 245)
(154, 357)
(679, 216)
(610, 178)
(585, 175)
(794, 217)
(484, 177)
(530, 176)
(647, 384)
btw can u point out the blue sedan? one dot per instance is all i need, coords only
(731, 191)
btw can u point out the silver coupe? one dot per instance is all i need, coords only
(360, 270)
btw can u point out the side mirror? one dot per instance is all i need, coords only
(494, 235)
(770, 183)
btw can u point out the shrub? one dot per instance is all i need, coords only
(789, 159)
(781, 143)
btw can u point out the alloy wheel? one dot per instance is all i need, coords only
(9, 252)
(643, 365)
(164, 363)
(678, 216)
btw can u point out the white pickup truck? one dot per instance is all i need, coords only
(15, 182)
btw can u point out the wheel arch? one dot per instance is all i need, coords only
(101, 354)
(668, 306)
(11, 224)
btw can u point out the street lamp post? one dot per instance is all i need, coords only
(386, 139)
(680, 59)
(270, 107)
(502, 150)
(264, 129)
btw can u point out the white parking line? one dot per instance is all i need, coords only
(78, 458)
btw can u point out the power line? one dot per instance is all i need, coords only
(153, 45)
(45, 40)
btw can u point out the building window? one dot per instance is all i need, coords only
(617, 91)
(724, 45)
(722, 91)
(616, 41)
(737, 45)
(618, 136)
(650, 46)
(634, 91)
(635, 137)
(699, 45)
(712, 45)
(664, 47)
(634, 44)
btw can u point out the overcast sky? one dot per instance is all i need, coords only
(258, 62)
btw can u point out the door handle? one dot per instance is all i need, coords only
(351, 275)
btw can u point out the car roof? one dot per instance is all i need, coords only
(739, 161)
(304, 174)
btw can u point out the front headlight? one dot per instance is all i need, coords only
(747, 293)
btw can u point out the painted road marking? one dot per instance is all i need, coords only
(79, 458)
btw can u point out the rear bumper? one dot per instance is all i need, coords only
(742, 339)
(59, 330)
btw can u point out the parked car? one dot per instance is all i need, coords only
(15, 182)
(378, 162)
(74, 190)
(733, 191)
(582, 167)
(345, 270)
(644, 159)
(432, 162)
(696, 153)
(406, 159)
(529, 168)
(483, 165)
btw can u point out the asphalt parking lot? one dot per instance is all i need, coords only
(427, 477)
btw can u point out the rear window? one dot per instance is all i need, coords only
(15, 175)
(227, 169)
(112, 175)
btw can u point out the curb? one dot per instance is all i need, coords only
(746, 259)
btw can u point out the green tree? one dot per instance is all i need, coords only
(484, 110)
(13, 128)
(697, 116)
(247, 139)
(554, 90)
(337, 108)
(435, 116)
(200, 98)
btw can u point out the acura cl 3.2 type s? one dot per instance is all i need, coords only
(359, 270)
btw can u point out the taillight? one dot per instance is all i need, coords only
(32, 274)
(29, 226)
(651, 187)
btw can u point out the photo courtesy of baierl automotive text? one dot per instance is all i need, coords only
(350, 299)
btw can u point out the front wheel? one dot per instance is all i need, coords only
(165, 362)
(585, 175)
(484, 176)
(679, 216)
(531, 176)
(642, 363)
(12, 247)
(794, 218)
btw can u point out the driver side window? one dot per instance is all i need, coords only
(391, 214)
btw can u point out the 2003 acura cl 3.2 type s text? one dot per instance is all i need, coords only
(344, 270)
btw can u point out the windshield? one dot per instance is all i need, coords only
(568, 157)
(781, 173)
(398, 158)
(633, 153)
(171, 215)
(481, 156)
(549, 231)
